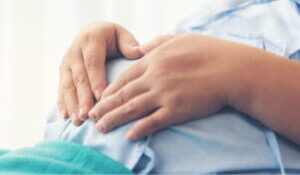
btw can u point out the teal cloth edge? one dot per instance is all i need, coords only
(3, 151)
(58, 157)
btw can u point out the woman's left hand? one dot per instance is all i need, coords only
(181, 78)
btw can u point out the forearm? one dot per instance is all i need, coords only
(273, 94)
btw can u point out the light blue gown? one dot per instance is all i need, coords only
(225, 142)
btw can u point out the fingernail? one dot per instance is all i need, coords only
(142, 49)
(82, 113)
(63, 113)
(137, 48)
(131, 136)
(102, 127)
(75, 119)
(77, 122)
(98, 94)
(73, 116)
(92, 115)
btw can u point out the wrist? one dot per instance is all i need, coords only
(256, 84)
(245, 79)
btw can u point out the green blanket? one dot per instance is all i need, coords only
(58, 157)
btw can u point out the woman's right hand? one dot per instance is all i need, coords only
(82, 70)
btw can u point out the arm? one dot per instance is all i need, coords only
(272, 94)
(187, 77)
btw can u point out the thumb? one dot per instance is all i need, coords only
(127, 44)
(145, 48)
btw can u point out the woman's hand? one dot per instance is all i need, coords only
(82, 71)
(182, 78)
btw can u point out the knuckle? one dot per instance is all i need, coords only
(63, 67)
(162, 78)
(176, 100)
(122, 81)
(79, 79)
(104, 94)
(91, 61)
(67, 86)
(120, 97)
(98, 86)
(84, 36)
(93, 29)
(129, 109)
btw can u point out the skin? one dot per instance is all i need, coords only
(176, 81)
(82, 71)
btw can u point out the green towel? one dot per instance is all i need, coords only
(58, 157)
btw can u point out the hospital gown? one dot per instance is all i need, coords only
(225, 142)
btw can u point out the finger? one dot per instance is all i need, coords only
(128, 92)
(61, 103)
(70, 96)
(83, 90)
(132, 110)
(145, 48)
(149, 125)
(132, 73)
(127, 43)
(94, 59)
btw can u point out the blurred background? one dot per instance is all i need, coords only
(34, 35)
